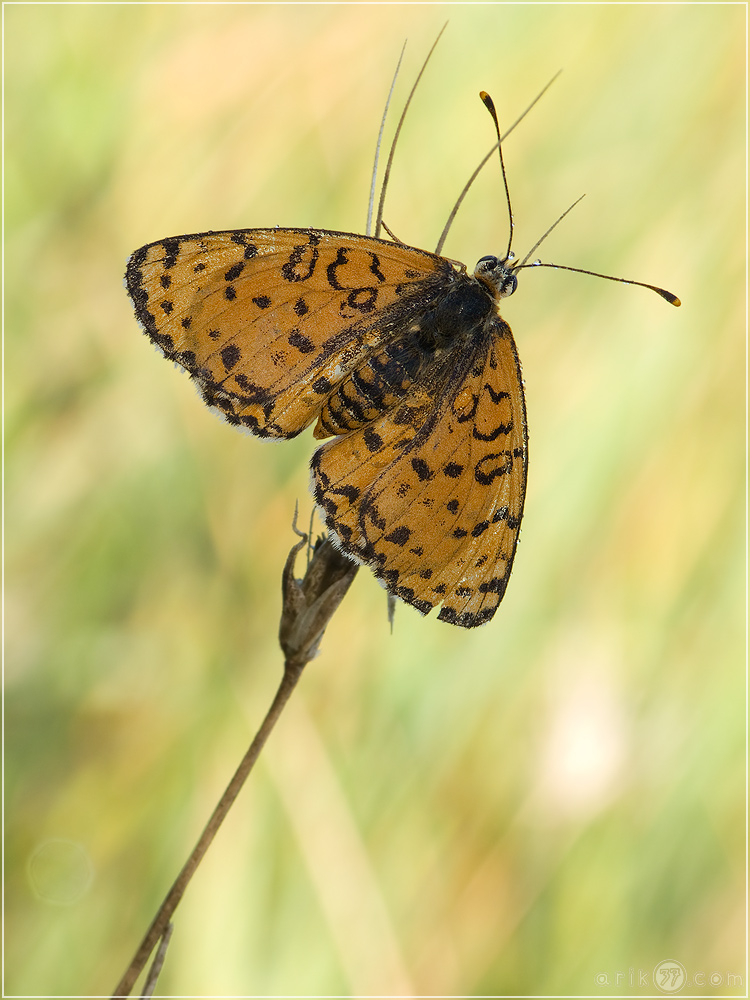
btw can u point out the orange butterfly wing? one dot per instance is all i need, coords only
(431, 494)
(396, 352)
(269, 321)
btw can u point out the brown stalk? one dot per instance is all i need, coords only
(308, 605)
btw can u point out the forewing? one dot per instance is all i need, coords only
(269, 321)
(431, 494)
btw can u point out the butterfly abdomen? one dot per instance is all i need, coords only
(374, 388)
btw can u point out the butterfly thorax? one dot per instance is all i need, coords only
(415, 356)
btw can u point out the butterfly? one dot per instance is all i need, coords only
(401, 360)
(398, 355)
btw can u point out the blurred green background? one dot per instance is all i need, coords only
(533, 807)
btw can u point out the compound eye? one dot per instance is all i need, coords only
(488, 262)
(509, 285)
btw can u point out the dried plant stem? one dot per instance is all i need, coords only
(307, 607)
(153, 973)
(292, 672)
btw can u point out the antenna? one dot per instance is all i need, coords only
(386, 176)
(544, 236)
(669, 296)
(485, 161)
(487, 101)
(373, 182)
(514, 268)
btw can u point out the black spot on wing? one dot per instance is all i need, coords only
(230, 355)
(399, 536)
(303, 344)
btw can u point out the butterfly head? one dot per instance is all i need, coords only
(498, 274)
